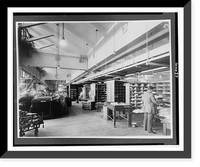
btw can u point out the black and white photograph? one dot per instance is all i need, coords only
(96, 81)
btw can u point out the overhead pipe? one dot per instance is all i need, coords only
(30, 25)
(39, 37)
(158, 64)
(46, 46)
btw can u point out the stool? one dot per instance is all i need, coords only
(166, 126)
(99, 106)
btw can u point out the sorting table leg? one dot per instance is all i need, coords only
(129, 118)
(114, 117)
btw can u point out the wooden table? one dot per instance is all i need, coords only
(120, 107)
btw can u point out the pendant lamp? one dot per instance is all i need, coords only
(63, 42)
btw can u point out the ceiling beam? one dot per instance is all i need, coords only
(109, 33)
(46, 46)
(50, 76)
(78, 35)
(109, 75)
(39, 59)
(70, 44)
(39, 37)
(96, 80)
(68, 68)
(158, 64)
(121, 73)
(29, 25)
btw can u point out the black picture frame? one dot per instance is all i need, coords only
(186, 153)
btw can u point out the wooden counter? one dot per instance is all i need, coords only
(114, 107)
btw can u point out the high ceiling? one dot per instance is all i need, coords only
(81, 37)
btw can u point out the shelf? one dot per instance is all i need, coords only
(166, 88)
(120, 91)
(133, 99)
(101, 92)
(136, 91)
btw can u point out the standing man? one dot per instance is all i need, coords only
(149, 108)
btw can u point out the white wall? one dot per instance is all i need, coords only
(52, 77)
(76, 73)
(40, 59)
(135, 29)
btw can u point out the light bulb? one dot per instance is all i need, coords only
(63, 42)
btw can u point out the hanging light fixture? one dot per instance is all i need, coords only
(63, 42)
(114, 52)
(95, 43)
(147, 45)
(87, 49)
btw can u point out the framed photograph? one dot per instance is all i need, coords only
(80, 80)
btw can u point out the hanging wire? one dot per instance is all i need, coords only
(95, 46)
(87, 50)
(114, 37)
(147, 43)
(105, 66)
(57, 47)
(63, 30)
(95, 41)
(58, 55)
(86, 47)
(96, 35)
(57, 58)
